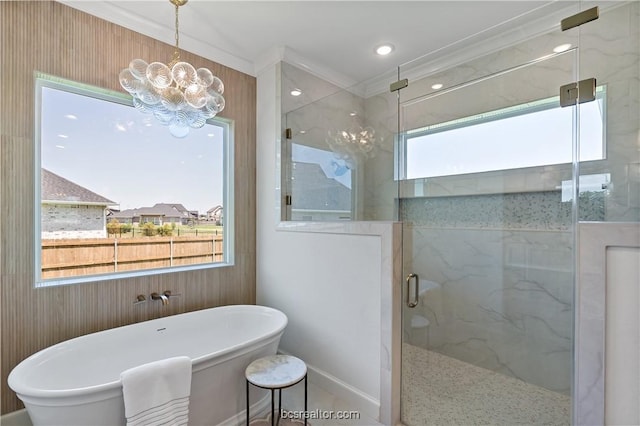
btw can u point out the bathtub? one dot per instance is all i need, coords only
(77, 382)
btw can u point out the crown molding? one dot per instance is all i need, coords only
(109, 11)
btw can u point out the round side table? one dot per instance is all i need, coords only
(276, 372)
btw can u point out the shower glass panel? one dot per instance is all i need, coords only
(337, 148)
(610, 53)
(485, 168)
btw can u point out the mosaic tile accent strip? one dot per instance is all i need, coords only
(530, 210)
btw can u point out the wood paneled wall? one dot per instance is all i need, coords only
(58, 40)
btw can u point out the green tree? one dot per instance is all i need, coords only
(113, 226)
(148, 229)
(165, 230)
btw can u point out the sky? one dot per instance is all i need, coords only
(333, 167)
(126, 156)
(534, 139)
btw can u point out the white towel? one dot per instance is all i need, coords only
(157, 393)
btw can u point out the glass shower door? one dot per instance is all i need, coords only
(485, 170)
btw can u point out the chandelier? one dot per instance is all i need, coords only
(177, 94)
(354, 144)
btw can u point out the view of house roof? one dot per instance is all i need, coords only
(166, 210)
(313, 190)
(177, 206)
(214, 209)
(57, 188)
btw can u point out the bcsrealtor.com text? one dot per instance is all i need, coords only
(319, 414)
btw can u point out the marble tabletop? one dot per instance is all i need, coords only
(276, 371)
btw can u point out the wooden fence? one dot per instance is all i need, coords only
(77, 257)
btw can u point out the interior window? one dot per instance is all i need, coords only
(320, 185)
(118, 194)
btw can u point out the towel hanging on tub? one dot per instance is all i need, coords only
(157, 393)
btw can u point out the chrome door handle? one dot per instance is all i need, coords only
(414, 303)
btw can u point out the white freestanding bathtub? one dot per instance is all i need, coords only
(77, 382)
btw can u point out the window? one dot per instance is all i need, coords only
(320, 185)
(533, 134)
(116, 193)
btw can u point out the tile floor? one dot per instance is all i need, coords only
(320, 403)
(440, 390)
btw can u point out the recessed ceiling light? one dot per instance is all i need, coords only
(71, 117)
(353, 113)
(302, 132)
(562, 48)
(60, 146)
(384, 49)
(437, 86)
(296, 92)
(63, 136)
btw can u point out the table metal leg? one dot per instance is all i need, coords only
(279, 405)
(247, 402)
(305, 400)
(273, 419)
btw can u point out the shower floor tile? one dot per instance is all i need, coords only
(440, 390)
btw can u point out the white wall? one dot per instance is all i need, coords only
(332, 280)
(607, 380)
(622, 335)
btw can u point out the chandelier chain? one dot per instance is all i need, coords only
(176, 52)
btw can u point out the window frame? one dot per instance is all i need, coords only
(513, 111)
(42, 80)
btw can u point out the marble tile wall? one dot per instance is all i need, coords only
(496, 282)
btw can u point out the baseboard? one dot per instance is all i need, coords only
(257, 409)
(358, 400)
(16, 418)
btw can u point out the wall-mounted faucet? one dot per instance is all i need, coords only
(163, 297)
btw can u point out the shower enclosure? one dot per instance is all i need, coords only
(487, 203)
(489, 163)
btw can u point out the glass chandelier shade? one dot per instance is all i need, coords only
(178, 95)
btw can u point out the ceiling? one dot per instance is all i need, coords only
(335, 38)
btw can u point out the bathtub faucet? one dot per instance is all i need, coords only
(163, 297)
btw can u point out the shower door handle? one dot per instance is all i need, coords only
(410, 277)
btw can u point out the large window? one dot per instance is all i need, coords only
(537, 133)
(118, 194)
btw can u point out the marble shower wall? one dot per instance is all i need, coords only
(609, 51)
(494, 250)
(496, 281)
